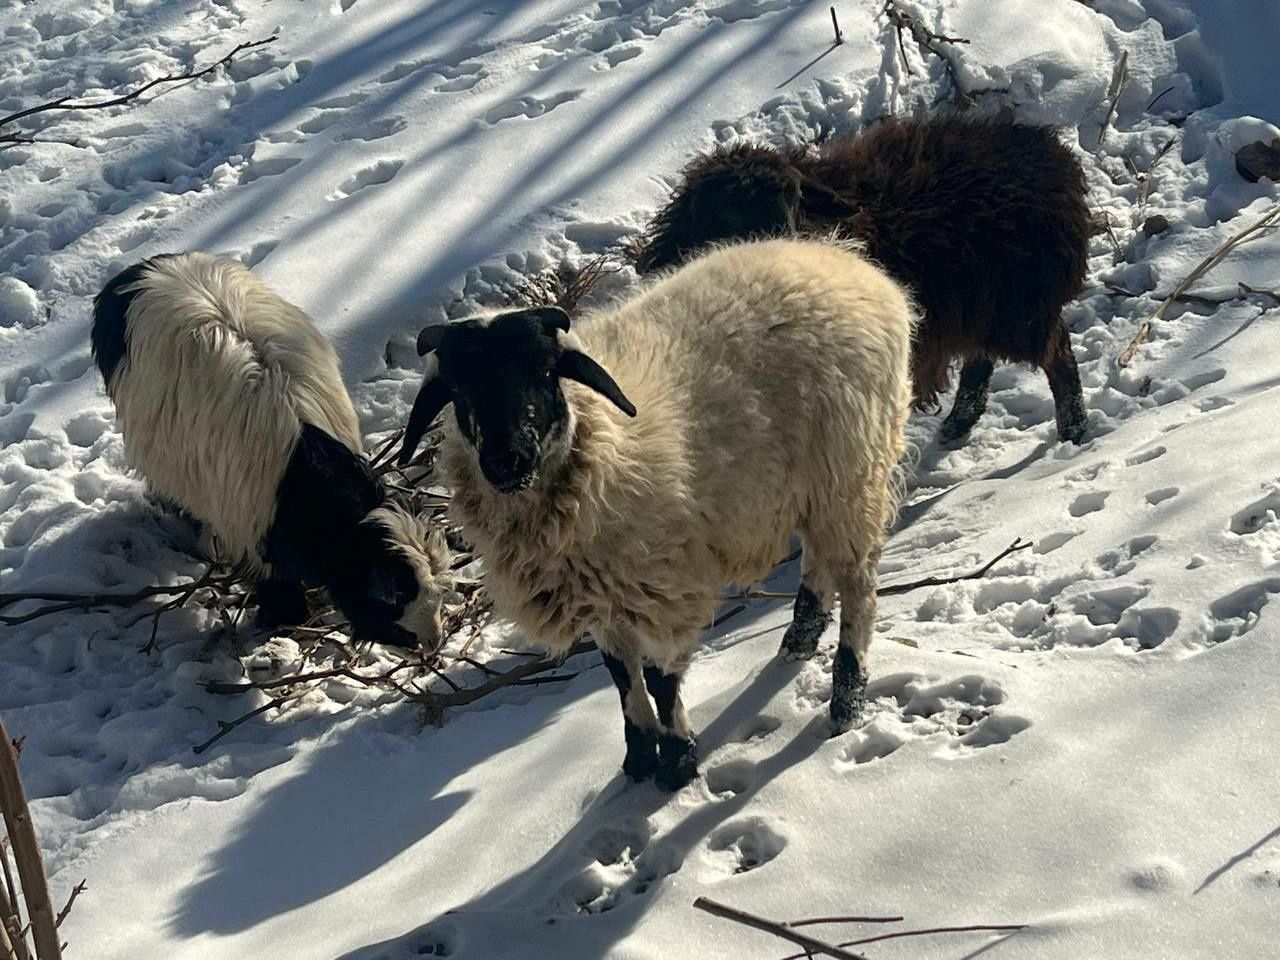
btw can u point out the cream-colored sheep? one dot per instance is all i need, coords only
(772, 388)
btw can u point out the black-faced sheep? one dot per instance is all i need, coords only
(760, 391)
(233, 408)
(984, 220)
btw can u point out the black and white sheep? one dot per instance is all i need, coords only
(760, 391)
(983, 219)
(232, 407)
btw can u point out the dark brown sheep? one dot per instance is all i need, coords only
(985, 220)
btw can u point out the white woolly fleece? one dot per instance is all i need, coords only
(218, 374)
(772, 387)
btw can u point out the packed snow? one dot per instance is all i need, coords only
(1082, 741)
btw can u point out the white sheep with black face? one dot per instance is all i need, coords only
(232, 406)
(761, 390)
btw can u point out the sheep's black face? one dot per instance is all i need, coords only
(507, 397)
(502, 375)
(378, 589)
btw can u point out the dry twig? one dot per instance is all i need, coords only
(564, 285)
(898, 934)
(1118, 81)
(26, 853)
(87, 601)
(1268, 222)
(896, 588)
(928, 41)
(811, 945)
(66, 103)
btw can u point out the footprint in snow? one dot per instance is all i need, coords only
(529, 106)
(380, 173)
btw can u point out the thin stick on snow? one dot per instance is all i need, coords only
(896, 588)
(782, 930)
(1118, 81)
(66, 103)
(814, 921)
(835, 24)
(12, 938)
(226, 726)
(1158, 97)
(1268, 222)
(65, 912)
(925, 38)
(898, 934)
(26, 852)
(87, 601)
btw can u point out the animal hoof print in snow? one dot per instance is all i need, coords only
(677, 765)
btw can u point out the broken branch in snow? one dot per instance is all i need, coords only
(12, 939)
(898, 934)
(66, 103)
(929, 41)
(783, 930)
(897, 588)
(26, 854)
(835, 25)
(1118, 81)
(226, 726)
(65, 912)
(1268, 222)
(87, 601)
(1244, 292)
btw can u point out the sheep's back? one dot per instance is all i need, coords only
(219, 371)
(985, 220)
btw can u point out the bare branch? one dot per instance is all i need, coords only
(65, 912)
(225, 726)
(26, 852)
(66, 103)
(87, 601)
(816, 920)
(898, 934)
(1268, 222)
(782, 930)
(926, 40)
(12, 936)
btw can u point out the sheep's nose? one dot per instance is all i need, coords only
(507, 469)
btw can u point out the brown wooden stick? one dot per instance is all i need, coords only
(835, 25)
(12, 940)
(897, 934)
(87, 601)
(66, 103)
(816, 920)
(10, 911)
(782, 930)
(1270, 221)
(897, 588)
(26, 853)
(65, 912)
(226, 726)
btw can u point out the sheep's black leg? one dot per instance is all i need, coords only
(638, 723)
(849, 672)
(280, 602)
(971, 400)
(1064, 381)
(812, 610)
(677, 747)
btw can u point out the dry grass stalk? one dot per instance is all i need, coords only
(564, 285)
(1268, 222)
(26, 854)
(1118, 81)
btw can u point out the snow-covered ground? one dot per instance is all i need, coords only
(1083, 741)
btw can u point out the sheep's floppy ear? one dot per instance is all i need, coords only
(432, 398)
(429, 338)
(823, 201)
(578, 366)
(552, 319)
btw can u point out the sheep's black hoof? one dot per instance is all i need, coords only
(280, 603)
(954, 429)
(848, 690)
(808, 622)
(677, 763)
(1071, 427)
(642, 754)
